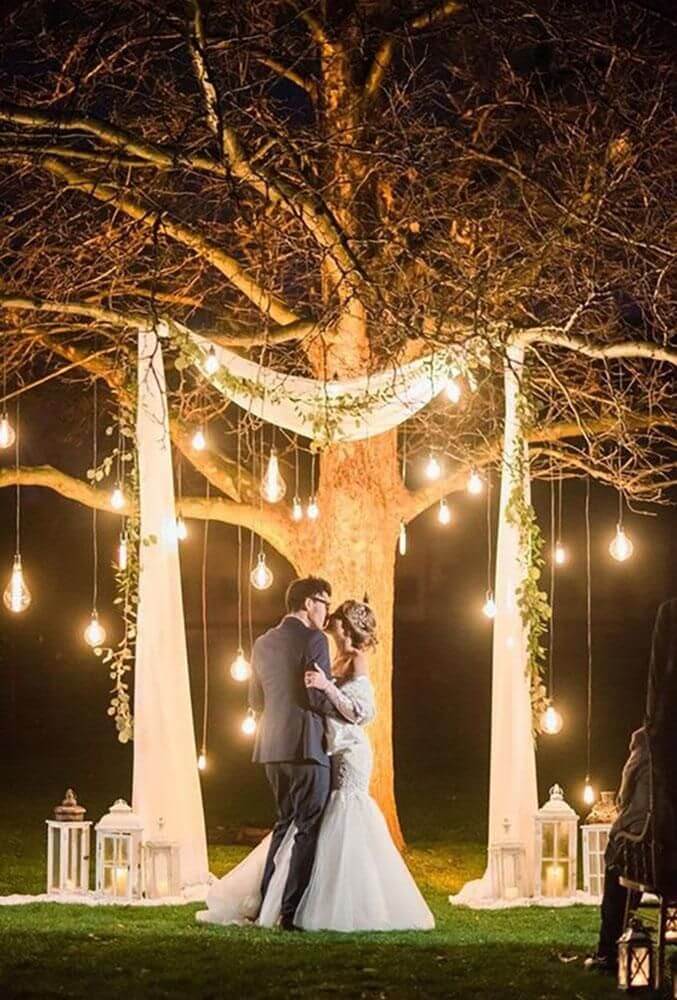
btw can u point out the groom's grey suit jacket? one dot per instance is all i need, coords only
(291, 727)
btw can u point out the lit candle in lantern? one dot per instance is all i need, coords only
(554, 880)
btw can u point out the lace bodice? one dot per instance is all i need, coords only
(347, 742)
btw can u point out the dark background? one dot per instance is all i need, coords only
(54, 692)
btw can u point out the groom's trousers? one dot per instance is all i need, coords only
(301, 791)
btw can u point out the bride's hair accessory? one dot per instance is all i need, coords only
(359, 621)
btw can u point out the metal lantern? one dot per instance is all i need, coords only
(556, 848)
(161, 866)
(118, 853)
(635, 958)
(68, 847)
(671, 924)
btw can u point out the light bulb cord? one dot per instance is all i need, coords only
(490, 548)
(553, 542)
(18, 483)
(95, 455)
(239, 538)
(205, 636)
(588, 571)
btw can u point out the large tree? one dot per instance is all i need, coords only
(340, 187)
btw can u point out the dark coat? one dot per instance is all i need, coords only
(633, 797)
(291, 726)
(661, 725)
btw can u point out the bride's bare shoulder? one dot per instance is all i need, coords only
(360, 664)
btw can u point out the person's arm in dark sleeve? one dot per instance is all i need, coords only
(255, 688)
(317, 652)
(655, 699)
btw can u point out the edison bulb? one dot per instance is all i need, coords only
(202, 761)
(551, 721)
(261, 577)
(239, 668)
(313, 511)
(621, 548)
(248, 726)
(199, 441)
(297, 509)
(433, 469)
(123, 555)
(95, 633)
(475, 483)
(444, 513)
(453, 389)
(17, 596)
(273, 486)
(7, 432)
(588, 793)
(489, 606)
(118, 500)
(402, 543)
(211, 362)
(181, 529)
(560, 554)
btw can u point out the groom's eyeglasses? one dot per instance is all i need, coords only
(321, 600)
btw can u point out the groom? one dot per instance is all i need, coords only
(290, 734)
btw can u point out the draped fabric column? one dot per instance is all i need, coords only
(166, 787)
(513, 798)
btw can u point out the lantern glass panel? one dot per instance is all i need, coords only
(108, 849)
(548, 840)
(640, 967)
(562, 840)
(55, 834)
(108, 879)
(124, 850)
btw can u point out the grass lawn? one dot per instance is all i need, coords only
(49, 950)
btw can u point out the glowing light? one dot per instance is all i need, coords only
(123, 555)
(551, 721)
(181, 529)
(7, 432)
(402, 543)
(297, 509)
(211, 362)
(273, 486)
(248, 725)
(95, 633)
(560, 555)
(453, 389)
(489, 606)
(443, 512)
(199, 441)
(313, 511)
(475, 483)
(621, 548)
(261, 577)
(202, 761)
(17, 596)
(433, 469)
(239, 668)
(588, 793)
(118, 500)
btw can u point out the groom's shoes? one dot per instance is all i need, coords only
(287, 924)
(601, 963)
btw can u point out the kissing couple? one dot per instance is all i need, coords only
(329, 862)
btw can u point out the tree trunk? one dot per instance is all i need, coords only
(353, 546)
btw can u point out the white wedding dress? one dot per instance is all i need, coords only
(359, 881)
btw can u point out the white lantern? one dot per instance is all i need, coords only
(118, 853)
(161, 865)
(507, 864)
(556, 847)
(594, 838)
(68, 848)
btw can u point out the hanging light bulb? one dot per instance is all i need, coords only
(443, 512)
(181, 529)
(211, 362)
(297, 509)
(261, 577)
(551, 721)
(118, 500)
(313, 511)
(248, 726)
(199, 441)
(475, 483)
(489, 606)
(239, 668)
(560, 554)
(273, 486)
(403, 539)
(433, 469)
(588, 792)
(17, 596)
(621, 548)
(453, 389)
(95, 633)
(123, 553)
(202, 761)
(7, 433)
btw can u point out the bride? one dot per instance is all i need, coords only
(359, 880)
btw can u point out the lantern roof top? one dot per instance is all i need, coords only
(556, 808)
(69, 811)
(120, 817)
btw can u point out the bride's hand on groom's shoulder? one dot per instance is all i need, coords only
(316, 678)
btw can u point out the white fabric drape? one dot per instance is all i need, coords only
(166, 787)
(317, 410)
(513, 797)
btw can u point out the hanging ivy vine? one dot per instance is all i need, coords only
(532, 601)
